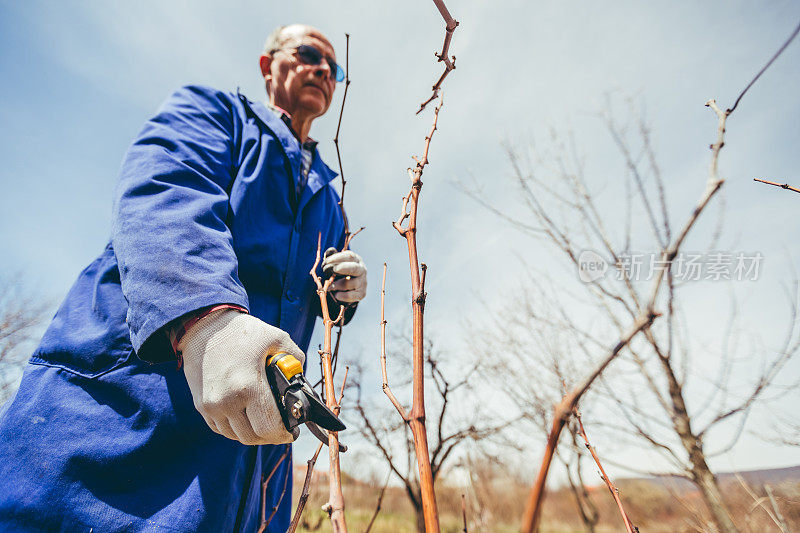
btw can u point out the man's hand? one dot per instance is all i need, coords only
(223, 358)
(350, 283)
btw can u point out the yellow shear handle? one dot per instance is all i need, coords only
(288, 364)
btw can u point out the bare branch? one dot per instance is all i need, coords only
(264, 520)
(275, 507)
(634, 169)
(760, 72)
(781, 185)
(350, 237)
(371, 434)
(378, 505)
(449, 62)
(301, 504)
(384, 374)
(612, 489)
(464, 510)
(21, 314)
(336, 141)
(760, 502)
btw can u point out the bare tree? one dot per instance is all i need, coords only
(509, 337)
(449, 428)
(570, 216)
(20, 317)
(659, 412)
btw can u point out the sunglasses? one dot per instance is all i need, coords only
(310, 55)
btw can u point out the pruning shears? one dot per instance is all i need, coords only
(297, 401)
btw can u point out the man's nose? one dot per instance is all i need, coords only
(323, 70)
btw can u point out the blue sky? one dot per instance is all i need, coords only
(80, 78)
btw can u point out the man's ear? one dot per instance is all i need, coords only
(265, 62)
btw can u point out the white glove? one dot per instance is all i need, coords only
(351, 275)
(223, 359)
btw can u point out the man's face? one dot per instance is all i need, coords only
(295, 86)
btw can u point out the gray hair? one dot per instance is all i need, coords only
(276, 40)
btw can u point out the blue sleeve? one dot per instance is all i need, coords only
(173, 246)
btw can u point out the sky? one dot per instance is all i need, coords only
(80, 79)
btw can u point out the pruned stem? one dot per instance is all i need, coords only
(384, 374)
(350, 238)
(614, 490)
(301, 503)
(341, 391)
(277, 505)
(264, 519)
(378, 505)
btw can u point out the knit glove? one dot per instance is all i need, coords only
(223, 358)
(350, 273)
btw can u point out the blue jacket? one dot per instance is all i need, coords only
(102, 433)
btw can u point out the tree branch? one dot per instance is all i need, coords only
(377, 506)
(612, 489)
(781, 185)
(764, 68)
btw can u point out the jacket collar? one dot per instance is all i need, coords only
(320, 174)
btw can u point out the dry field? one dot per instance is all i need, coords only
(498, 506)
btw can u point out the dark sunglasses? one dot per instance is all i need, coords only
(310, 55)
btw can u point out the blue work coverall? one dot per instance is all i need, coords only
(102, 434)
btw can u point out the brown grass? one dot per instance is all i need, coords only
(496, 505)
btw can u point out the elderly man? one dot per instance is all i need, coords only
(146, 405)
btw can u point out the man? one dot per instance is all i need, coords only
(146, 406)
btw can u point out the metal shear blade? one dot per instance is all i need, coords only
(322, 435)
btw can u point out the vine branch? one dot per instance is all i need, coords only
(449, 61)
(415, 418)
(336, 140)
(336, 497)
(301, 504)
(264, 520)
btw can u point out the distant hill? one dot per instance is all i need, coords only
(771, 476)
